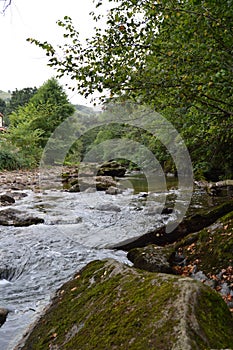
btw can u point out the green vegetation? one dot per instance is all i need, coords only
(175, 56)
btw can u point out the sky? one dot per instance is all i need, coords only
(23, 64)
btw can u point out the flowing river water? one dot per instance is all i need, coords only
(79, 227)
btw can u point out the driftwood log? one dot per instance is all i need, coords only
(190, 224)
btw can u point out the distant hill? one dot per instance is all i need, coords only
(84, 109)
(6, 96)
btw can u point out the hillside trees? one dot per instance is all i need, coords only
(175, 56)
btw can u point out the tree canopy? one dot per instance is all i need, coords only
(175, 56)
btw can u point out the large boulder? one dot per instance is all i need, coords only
(108, 305)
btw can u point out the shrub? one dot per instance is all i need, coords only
(9, 161)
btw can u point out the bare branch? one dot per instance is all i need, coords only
(6, 4)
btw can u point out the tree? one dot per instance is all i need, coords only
(2, 106)
(52, 101)
(32, 124)
(19, 98)
(175, 56)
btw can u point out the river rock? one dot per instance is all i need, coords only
(108, 207)
(112, 168)
(14, 217)
(109, 305)
(100, 183)
(113, 190)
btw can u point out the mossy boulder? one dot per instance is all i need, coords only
(108, 305)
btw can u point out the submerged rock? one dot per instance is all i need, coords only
(14, 217)
(109, 305)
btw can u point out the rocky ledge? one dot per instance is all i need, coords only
(108, 305)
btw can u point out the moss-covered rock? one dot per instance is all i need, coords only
(109, 305)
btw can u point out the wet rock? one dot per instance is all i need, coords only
(167, 211)
(3, 315)
(108, 305)
(14, 217)
(6, 199)
(18, 195)
(143, 195)
(104, 182)
(109, 207)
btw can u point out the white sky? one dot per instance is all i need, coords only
(23, 64)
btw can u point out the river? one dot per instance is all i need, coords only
(78, 228)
